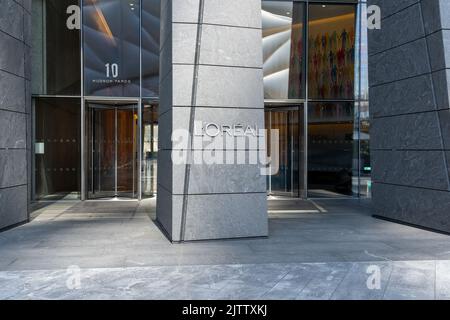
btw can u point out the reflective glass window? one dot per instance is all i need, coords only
(331, 51)
(332, 149)
(150, 47)
(57, 148)
(283, 49)
(56, 47)
(149, 149)
(111, 47)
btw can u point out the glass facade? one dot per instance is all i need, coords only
(56, 48)
(288, 120)
(111, 38)
(57, 148)
(324, 149)
(362, 117)
(149, 148)
(283, 49)
(331, 148)
(98, 59)
(150, 47)
(331, 51)
(95, 87)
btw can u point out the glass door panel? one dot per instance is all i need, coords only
(149, 149)
(127, 152)
(101, 129)
(282, 182)
(289, 179)
(332, 150)
(112, 151)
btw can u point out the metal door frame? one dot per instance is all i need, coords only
(111, 104)
(301, 108)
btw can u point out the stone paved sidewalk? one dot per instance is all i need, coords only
(398, 280)
(316, 250)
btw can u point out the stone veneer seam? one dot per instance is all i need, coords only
(187, 172)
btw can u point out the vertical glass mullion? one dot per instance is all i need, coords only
(358, 102)
(140, 146)
(83, 110)
(305, 105)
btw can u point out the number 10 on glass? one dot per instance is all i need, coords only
(112, 70)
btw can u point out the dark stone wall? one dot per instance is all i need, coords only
(15, 109)
(409, 96)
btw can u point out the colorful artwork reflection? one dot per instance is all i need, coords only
(296, 59)
(331, 58)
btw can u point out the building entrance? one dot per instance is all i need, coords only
(289, 122)
(113, 142)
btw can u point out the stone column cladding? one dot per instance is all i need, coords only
(15, 109)
(409, 101)
(211, 72)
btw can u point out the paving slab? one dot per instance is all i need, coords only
(122, 254)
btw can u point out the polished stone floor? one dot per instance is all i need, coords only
(327, 249)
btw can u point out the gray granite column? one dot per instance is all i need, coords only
(409, 97)
(15, 106)
(211, 72)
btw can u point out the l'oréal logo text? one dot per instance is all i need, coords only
(232, 144)
(211, 129)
